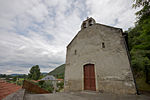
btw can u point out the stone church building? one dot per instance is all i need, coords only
(97, 59)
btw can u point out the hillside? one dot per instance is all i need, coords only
(58, 72)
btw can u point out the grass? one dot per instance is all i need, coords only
(21, 79)
(142, 85)
(58, 72)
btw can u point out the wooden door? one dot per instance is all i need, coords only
(89, 77)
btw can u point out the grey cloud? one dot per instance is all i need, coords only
(38, 31)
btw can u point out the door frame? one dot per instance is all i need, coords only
(94, 76)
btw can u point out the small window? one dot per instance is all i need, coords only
(75, 52)
(90, 22)
(103, 45)
(84, 25)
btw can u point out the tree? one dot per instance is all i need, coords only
(139, 41)
(34, 73)
(139, 3)
(15, 78)
(145, 11)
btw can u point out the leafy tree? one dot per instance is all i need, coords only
(19, 82)
(139, 3)
(34, 73)
(14, 78)
(3, 75)
(60, 86)
(47, 85)
(139, 41)
(145, 11)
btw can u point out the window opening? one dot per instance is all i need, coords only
(84, 25)
(90, 22)
(75, 52)
(103, 45)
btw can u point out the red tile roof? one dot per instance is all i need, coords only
(35, 81)
(7, 88)
(59, 79)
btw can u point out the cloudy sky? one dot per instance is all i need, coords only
(38, 31)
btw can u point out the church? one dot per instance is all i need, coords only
(97, 59)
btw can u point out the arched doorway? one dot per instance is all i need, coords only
(89, 77)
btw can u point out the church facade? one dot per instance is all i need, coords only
(97, 59)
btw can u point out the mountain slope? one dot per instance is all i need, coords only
(58, 72)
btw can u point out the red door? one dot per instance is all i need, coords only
(89, 77)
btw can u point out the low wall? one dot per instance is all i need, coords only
(33, 88)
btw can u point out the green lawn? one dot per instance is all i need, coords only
(142, 85)
(20, 78)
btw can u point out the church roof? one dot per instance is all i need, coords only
(93, 24)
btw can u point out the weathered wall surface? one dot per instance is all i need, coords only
(112, 68)
(30, 87)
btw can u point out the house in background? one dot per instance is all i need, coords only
(48, 77)
(97, 59)
(53, 80)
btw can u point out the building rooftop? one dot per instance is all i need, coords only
(7, 88)
(48, 77)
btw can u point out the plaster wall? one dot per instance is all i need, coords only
(112, 67)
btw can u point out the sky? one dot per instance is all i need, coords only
(36, 32)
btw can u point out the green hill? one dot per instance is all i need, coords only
(58, 72)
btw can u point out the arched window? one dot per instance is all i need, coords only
(90, 22)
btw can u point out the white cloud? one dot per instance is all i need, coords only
(110, 11)
(38, 31)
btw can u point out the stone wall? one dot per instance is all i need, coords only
(30, 87)
(112, 67)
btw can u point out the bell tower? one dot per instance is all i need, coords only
(88, 22)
